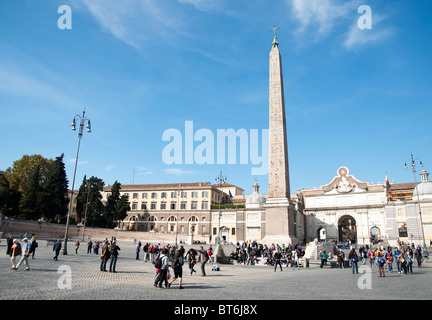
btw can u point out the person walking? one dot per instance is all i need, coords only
(191, 259)
(164, 265)
(296, 260)
(389, 260)
(410, 260)
(105, 255)
(89, 246)
(25, 254)
(418, 255)
(277, 259)
(397, 254)
(354, 260)
(403, 258)
(114, 255)
(57, 247)
(137, 251)
(9, 243)
(380, 262)
(203, 259)
(14, 252)
(33, 245)
(178, 267)
(77, 245)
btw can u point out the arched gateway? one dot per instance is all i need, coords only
(347, 229)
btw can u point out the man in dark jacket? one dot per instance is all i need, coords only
(114, 254)
(57, 247)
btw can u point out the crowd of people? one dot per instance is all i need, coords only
(383, 258)
(16, 250)
(169, 259)
(175, 257)
(251, 253)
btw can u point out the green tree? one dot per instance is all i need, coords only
(54, 192)
(9, 198)
(31, 200)
(116, 207)
(90, 198)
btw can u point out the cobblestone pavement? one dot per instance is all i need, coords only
(134, 281)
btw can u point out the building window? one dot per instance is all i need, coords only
(194, 194)
(153, 206)
(144, 195)
(214, 231)
(173, 195)
(183, 205)
(184, 194)
(163, 206)
(204, 205)
(134, 206)
(154, 195)
(233, 231)
(172, 206)
(135, 195)
(193, 205)
(163, 195)
(204, 194)
(143, 206)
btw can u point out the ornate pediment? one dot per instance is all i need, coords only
(344, 183)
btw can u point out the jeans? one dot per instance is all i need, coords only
(296, 262)
(113, 263)
(354, 266)
(203, 268)
(103, 264)
(390, 266)
(277, 262)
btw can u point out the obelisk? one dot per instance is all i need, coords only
(280, 210)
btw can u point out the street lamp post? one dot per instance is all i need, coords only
(220, 180)
(85, 214)
(82, 119)
(413, 164)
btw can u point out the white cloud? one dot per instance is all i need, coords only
(134, 21)
(357, 37)
(322, 15)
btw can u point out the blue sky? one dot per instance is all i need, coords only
(358, 98)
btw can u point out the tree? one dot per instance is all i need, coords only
(54, 192)
(90, 198)
(9, 198)
(116, 207)
(30, 201)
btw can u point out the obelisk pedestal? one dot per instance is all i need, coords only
(280, 211)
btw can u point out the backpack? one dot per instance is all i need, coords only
(158, 262)
(178, 263)
(18, 250)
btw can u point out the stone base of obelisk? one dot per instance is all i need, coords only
(279, 227)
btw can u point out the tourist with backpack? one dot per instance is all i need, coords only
(162, 264)
(177, 265)
(380, 262)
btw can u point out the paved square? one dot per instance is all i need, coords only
(134, 280)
